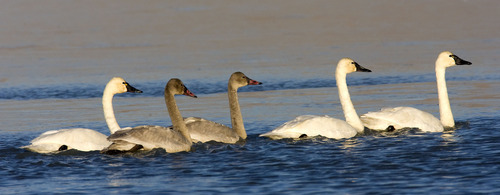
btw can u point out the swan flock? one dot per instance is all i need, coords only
(184, 131)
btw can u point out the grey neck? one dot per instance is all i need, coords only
(235, 111)
(175, 115)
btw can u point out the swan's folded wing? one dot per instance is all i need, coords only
(401, 117)
(202, 130)
(311, 125)
(49, 133)
(289, 129)
(151, 137)
(381, 120)
(77, 138)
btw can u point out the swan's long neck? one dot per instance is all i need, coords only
(350, 114)
(235, 111)
(109, 114)
(444, 102)
(175, 116)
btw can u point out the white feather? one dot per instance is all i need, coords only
(311, 126)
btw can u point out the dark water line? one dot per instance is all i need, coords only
(155, 89)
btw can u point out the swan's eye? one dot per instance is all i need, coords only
(451, 56)
(125, 83)
(353, 62)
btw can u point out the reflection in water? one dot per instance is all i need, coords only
(118, 178)
(125, 168)
(449, 135)
(349, 144)
(448, 138)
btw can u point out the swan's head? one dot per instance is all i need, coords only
(238, 79)
(119, 85)
(447, 59)
(176, 86)
(347, 65)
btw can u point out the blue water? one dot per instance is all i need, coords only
(56, 57)
(155, 88)
(461, 161)
(465, 160)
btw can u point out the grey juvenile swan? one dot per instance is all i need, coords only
(173, 139)
(202, 130)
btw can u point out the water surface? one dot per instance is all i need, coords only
(57, 57)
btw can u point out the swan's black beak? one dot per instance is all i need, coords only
(189, 93)
(132, 89)
(459, 61)
(360, 68)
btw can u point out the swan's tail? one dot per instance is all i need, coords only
(117, 148)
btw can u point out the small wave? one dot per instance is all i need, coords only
(155, 89)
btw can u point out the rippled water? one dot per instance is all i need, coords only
(462, 161)
(57, 57)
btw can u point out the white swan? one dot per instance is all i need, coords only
(79, 138)
(173, 139)
(311, 125)
(202, 130)
(401, 117)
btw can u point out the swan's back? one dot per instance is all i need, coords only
(77, 138)
(150, 137)
(311, 126)
(202, 130)
(401, 117)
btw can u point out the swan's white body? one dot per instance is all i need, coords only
(311, 125)
(402, 117)
(79, 138)
(202, 130)
(408, 117)
(173, 139)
